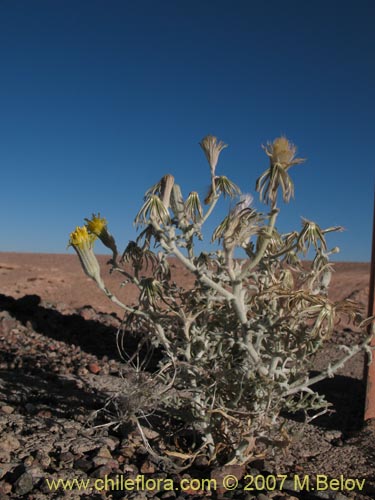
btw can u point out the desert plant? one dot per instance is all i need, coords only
(237, 345)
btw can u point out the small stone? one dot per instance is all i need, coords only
(150, 433)
(101, 472)
(24, 484)
(45, 461)
(110, 442)
(97, 461)
(66, 458)
(104, 452)
(88, 313)
(30, 408)
(4, 456)
(44, 414)
(36, 472)
(5, 489)
(83, 464)
(147, 467)
(7, 409)
(113, 464)
(10, 443)
(168, 494)
(4, 469)
(108, 462)
(94, 368)
(127, 451)
(83, 445)
(333, 435)
(131, 469)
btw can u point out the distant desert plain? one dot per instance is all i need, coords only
(58, 278)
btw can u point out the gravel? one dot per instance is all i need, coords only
(58, 367)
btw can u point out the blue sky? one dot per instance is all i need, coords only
(100, 99)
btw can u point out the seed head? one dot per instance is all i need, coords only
(212, 149)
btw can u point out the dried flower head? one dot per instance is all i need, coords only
(153, 209)
(212, 149)
(193, 207)
(311, 234)
(241, 223)
(282, 156)
(245, 201)
(282, 151)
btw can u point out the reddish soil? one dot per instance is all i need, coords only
(58, 278)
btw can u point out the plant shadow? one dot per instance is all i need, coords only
(43, 393)
(347, 398)
(92, 336)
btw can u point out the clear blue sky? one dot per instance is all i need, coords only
(99, 99)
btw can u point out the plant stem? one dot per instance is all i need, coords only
(300, 385)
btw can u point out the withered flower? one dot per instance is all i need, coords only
(212, 149)
(282, 156)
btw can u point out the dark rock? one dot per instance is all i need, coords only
(24, 484)
(83, 464)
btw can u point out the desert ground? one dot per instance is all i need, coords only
(59, 363)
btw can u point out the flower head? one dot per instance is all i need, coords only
(212, 149)
(97, 226)
(80, 238)
(83, 244)
(239, 225)
(311, 234)
(282, 156)
(282, 152)
(193, 207)
(244, 202)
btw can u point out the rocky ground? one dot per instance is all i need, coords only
(59, 364)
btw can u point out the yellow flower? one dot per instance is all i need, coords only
(96, 224)
(81, 238)
(83, 243)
